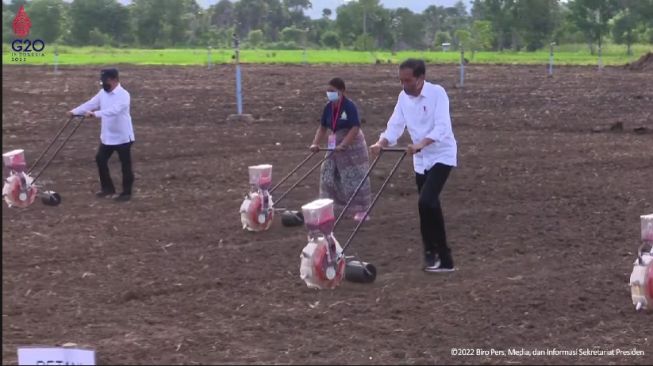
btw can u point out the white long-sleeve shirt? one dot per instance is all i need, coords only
(113, 109)
(426, 115)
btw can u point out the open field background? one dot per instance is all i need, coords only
(542, 215)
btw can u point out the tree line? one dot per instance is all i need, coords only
(494, 25)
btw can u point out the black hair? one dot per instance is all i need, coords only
(337, 83)
(418, 66)
(109, 74)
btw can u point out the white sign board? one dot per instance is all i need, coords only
(55, 356)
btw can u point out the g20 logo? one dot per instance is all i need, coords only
(22, 46)
(26, 45)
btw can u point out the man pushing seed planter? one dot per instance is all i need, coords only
(423, 108)
(117, 133)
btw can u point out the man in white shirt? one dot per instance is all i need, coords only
(111, 104)
(423, 108)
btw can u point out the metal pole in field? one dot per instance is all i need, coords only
(598, 21)
(239, 91)
(56, 59)
(208, 57)
(305, 61)
(239, 96)
(462, 66)
(551, 59)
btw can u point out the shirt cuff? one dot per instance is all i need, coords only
(435, 134)
(391, 142)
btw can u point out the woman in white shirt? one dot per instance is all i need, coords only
(423, 108)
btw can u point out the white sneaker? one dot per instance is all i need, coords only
(359, 216)
(437, 267)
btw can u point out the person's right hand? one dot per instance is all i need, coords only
(375, 149)
(314, 148)
(70, 114)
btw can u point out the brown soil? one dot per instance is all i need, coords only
(643, 63)
(542, 216)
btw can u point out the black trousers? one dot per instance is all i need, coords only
(429, 186)
(104, 152)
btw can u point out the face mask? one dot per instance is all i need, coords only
(332, 96)
(106, 86)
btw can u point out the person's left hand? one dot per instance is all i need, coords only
(341, 148)
(414, 148)
(89, 114)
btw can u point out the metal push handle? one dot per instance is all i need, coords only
(360, 185)
(310, 155)
(358, 188)
(293, 171)
(54, 139)
(79, 123)
(378, 194)
(303, 177)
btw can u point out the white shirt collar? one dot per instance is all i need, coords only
(114, 89)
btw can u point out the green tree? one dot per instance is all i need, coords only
(317, 28)
(592, 18)
(297, 5)
(255, 38)
(97, 38)
(200, 21)
(632, 21)
(440, 38)
(163, 23)
(7, 19)
(326, 13)
(221, 37)
(501, 14)
(46, 16)
(434, 20)
(14, 5)
(407, 29)
(108, 16)
(567, 31)
(275, 20)
(363, 17)
(330, 39)
(643, 9)
(535, 22)
(292, 34)
(250, 14)
(455, 17)
(222, 14)
(462, 37)
(148, 22)
(623, 29)
(364, 42)
(481, 36)
(296, 12)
